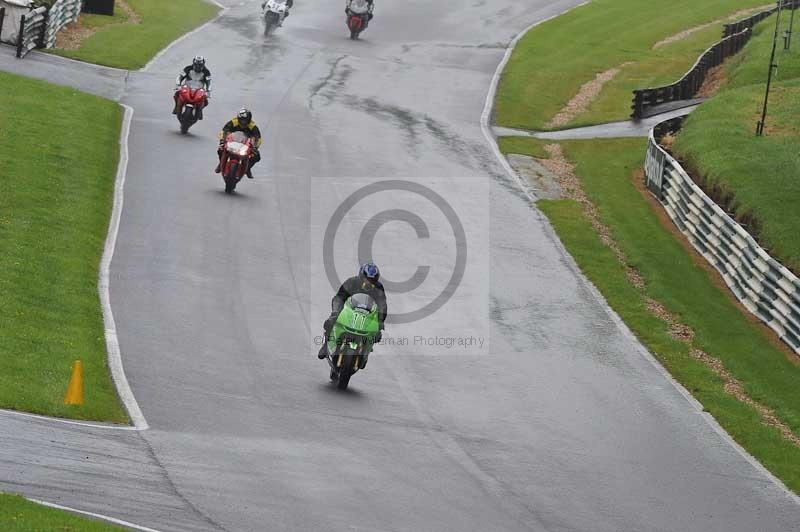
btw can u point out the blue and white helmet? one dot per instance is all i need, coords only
(369, 272)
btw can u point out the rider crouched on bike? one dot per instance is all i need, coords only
(358, 4)
(242, 122)
(289, 5)
(366, 282)
(197, 71)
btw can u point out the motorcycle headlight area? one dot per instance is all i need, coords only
(237, 148)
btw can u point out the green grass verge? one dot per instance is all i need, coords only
(18, 514)
(524, 146)
(605, 169)
(758, 178)
(550, 63)
(131, 46)
(55, 201)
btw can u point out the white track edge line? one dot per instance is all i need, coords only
(160, 54)
(112, 520)
(620, 323)
(40, 417)
(112, 342)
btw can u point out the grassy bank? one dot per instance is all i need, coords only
(130, 41)
(21, 515)
(550, 63)
(55, 201)
(758, 178)
(606, 170)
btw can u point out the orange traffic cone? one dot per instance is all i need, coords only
(75, 389)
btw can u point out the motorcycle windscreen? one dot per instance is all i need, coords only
(237, 136)
(362, 302)
(194, 84)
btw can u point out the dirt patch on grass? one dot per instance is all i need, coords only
(715, 79)
(686, 33)
(73, 35)
(734, 387)
(571, 185)
(564, 171)
(586, 95)
(731, 385)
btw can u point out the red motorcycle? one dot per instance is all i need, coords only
(357, 20)
(192, 98)
(235, 159)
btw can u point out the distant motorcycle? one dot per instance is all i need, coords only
(274, 13)
(235, 159)
(357, 18)
(193, 98)
(353, 336)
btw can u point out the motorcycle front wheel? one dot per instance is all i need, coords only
(186, 120)
(230, 178)
(269, 24)
(345, 372)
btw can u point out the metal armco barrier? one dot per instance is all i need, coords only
(62, 13)
(31, 31)
(688, 86)
(762, 284)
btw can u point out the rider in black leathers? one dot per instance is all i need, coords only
(366, 282)
(197, 71)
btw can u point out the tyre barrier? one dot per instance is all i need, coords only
(39, 27)
(765, 287)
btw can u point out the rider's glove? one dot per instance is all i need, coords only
(331, 320)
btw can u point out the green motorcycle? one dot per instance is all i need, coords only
(352, 338)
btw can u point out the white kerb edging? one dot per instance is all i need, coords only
(112, 342)
(101, 517)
